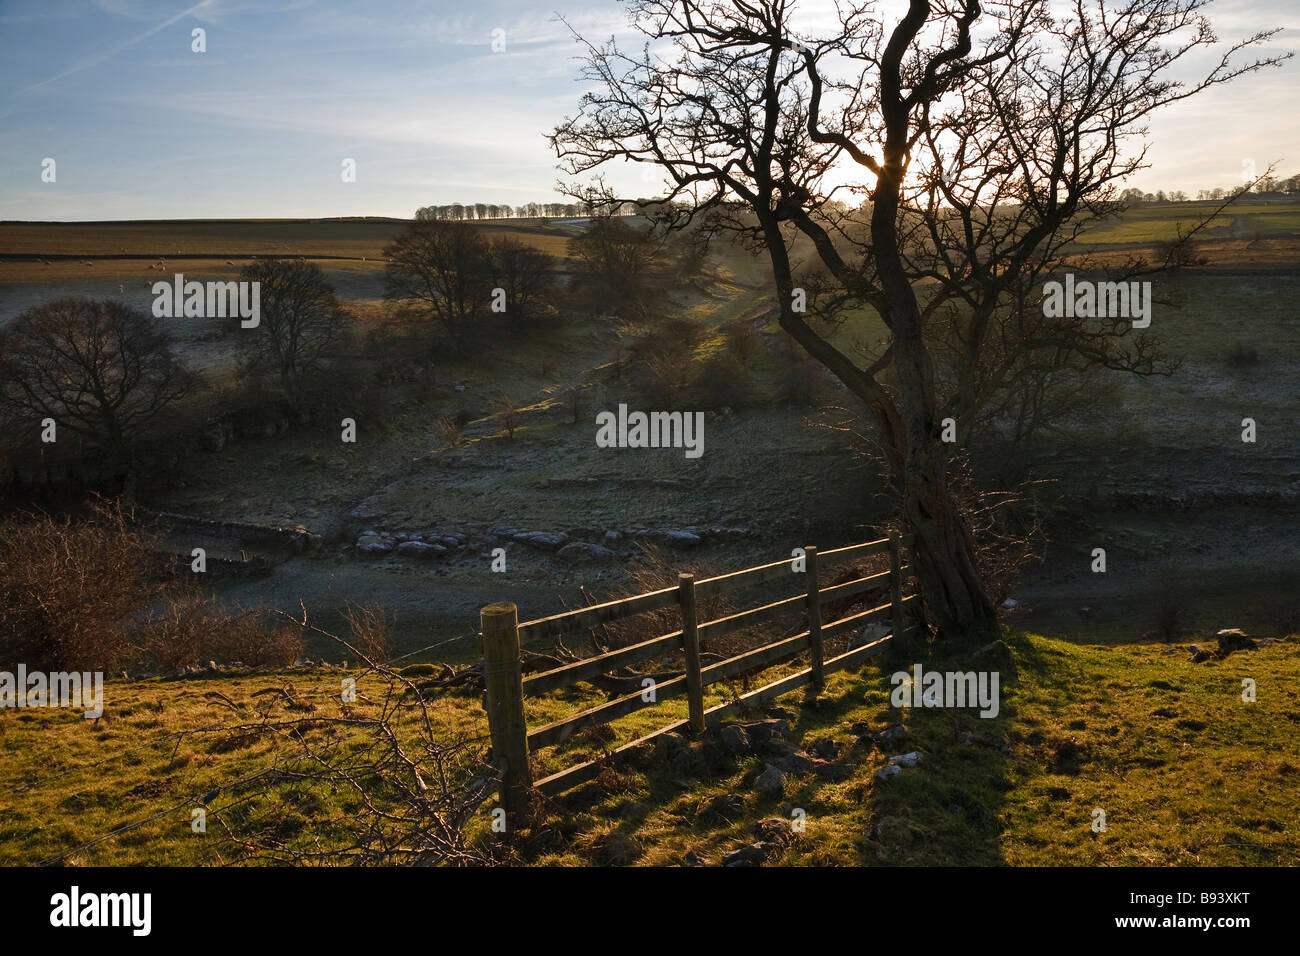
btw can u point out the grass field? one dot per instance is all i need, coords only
(1185, 770)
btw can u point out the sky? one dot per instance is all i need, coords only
(141, 126)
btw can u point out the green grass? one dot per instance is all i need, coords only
(1187, 773)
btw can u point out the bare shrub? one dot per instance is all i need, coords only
(508, 412)
(68, 587)
(449, 431)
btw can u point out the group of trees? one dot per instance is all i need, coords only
(1263, 184)
(448, 272)
(452, 212)
(109, 373)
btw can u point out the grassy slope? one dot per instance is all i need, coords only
(1187, 773)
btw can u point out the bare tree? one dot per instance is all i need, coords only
(522, 272)
(103, 370)
(749, 121)
(301, 323)
(443, 267)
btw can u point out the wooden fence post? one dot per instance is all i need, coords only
(691, 645)
(503, 678)
(814, 618)
(896, 589)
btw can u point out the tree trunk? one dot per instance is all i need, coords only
(944, 553)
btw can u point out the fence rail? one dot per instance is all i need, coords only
(513, 742)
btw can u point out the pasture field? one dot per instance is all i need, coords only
(1187, 772)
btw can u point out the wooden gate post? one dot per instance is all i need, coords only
(814, 618)
(503, 677)
(896, 589)
(691, 645)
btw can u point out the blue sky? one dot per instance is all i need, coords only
(258, 126)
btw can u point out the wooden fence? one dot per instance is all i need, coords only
(513, 742)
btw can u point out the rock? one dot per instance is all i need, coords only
(735, 740)
(1233, 639)
(374, 544)
(675, 539)
(893, 736)
(1010, 603)
(770, 782)
(613, 537)
(1199, 654)
(825, 748)
(751, 855)
(833, 769)
(884, 773)
(418, 549)
(795, 762)
(542, 540)
(577, 552)
(762, 731)
(690, 859)
(867, 635)
(906, 760)
(774, 831)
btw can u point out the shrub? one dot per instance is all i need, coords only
(722, 380)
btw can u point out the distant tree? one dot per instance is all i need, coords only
(302, 321)
(522, 271)
(441, 270)
(1178, 196)
(105, 371)
(457, 211)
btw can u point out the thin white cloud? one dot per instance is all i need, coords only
(98, 58)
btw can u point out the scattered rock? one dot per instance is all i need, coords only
(375, 544)
(542, 540)
(770, 782)
(1233, 639)
(750, 855)
(774, 831)
(612, 537)
(762, 731)
(1199, 654)
(867, 635)
(735, 740)
(893, 736)
(418, 549)
(581, 552)
(906, 760)
(884, 773)
(825, 748)
(794, 762)
(833, 769)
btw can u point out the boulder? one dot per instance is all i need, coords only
(374, 544)
(825, 748)
(580, 552)
(419, 549)
(751, 855)
(893, 736)
(1233, 639)
(542, 540)
(1199, 654)
(884, 773)
(868, 635)
(735, 740)
(771, 781)
(906, 760)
